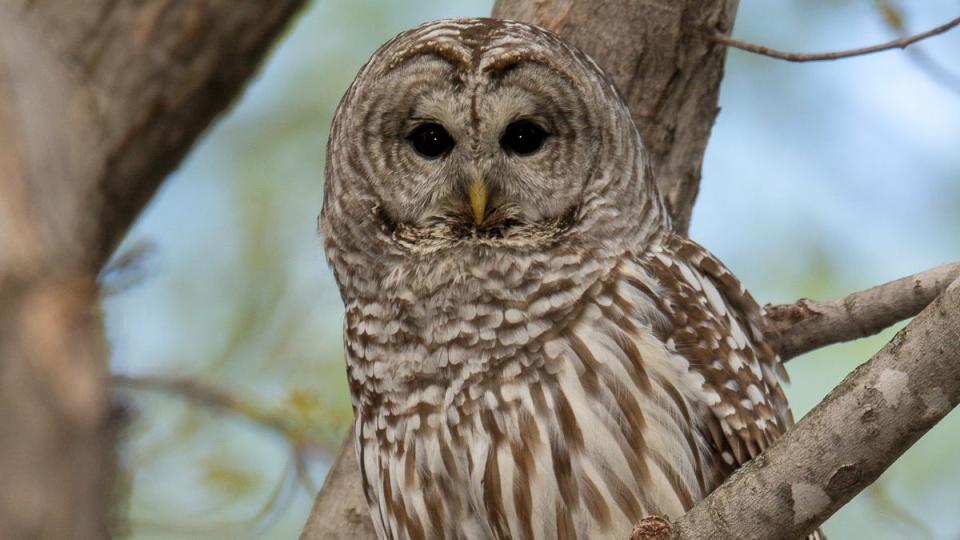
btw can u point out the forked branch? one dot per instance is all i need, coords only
(807, 325)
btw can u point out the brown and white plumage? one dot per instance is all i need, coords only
(544, 359)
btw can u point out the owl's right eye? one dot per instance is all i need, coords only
(430, 140)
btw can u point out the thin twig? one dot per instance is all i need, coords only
(900, 43)
(807, 325)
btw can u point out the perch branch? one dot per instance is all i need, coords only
(807, 325)
(847, 441)
(900, 43)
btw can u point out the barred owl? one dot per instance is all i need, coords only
(531, 352)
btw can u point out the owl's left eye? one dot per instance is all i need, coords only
(523, 137)
(430, 140)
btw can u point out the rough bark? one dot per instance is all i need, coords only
(340, 510)
(669, 75)
(98, 101)
(847, 441)
(807, 325)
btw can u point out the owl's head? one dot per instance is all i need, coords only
(483, 134)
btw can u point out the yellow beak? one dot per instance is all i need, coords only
(478, 199)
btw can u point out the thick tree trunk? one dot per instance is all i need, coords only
(99, 99)
(670, 77)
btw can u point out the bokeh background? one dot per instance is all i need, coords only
(820, 179)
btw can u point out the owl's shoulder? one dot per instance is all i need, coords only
(717, 327)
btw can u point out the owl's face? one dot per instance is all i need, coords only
(481, 141)
(483, 151)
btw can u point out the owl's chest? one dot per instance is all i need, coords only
(567, 436)
(403, 357)
(463, 326)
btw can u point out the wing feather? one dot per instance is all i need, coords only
(718, 328)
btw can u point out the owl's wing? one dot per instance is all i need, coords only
(717, 326)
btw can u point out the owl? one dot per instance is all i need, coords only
(532, 353)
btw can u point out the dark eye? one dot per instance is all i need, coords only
(523, 137)
(430, 140)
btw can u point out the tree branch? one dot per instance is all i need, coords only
(807, 325)
(901, 43)
(846, 441)
(98, 101)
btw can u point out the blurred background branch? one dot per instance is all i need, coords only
(296, 422)
(895, 18)
(287, 423)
